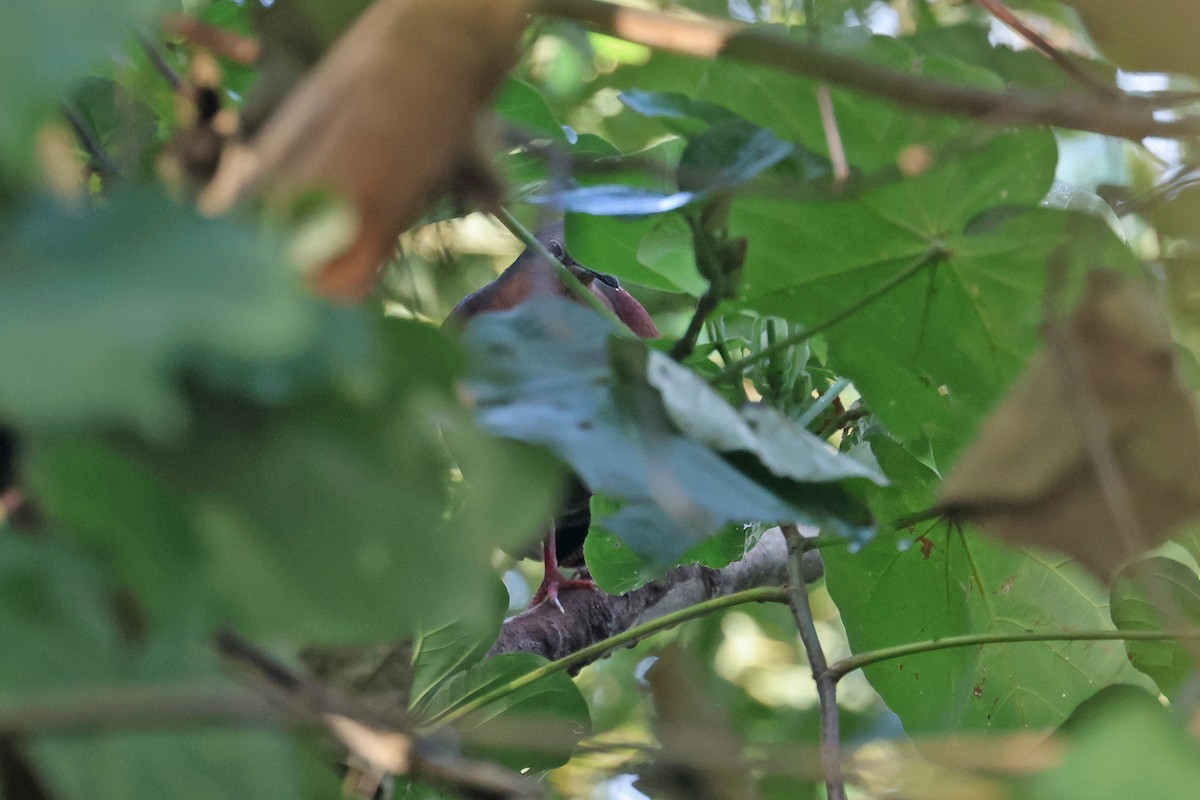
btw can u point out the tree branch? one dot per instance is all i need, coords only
(1127, 116)
(591, 619)
(831, 759)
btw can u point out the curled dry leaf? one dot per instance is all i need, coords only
(386, 120)
(1033, 476)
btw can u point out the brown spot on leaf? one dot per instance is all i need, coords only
(926, 546)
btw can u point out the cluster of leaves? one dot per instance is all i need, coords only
(203, 443)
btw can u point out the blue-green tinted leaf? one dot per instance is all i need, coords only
(100, 309)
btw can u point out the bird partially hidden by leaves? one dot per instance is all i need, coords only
(529, 275)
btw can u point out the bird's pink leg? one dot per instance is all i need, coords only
(553, 581)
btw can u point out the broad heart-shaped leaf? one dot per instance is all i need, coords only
(949, 581)
(551, 373)
(1137, 595)
(956, 281)
(100, 309)
(47, 47)
(550, 709)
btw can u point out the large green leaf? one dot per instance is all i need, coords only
(950, 290)
(874, 132)
(320, 507)
(100, 309)
(946, 581)
(1154, 594)
(647, 431)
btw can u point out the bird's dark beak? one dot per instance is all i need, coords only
(611, 280)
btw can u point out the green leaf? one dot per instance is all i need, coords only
(681, 113)
(524, 107)
(960, 286)
(1122, 743)
(939, 580)
(618, 568)
(951, 582)
(615, 245)
(1139, 596)
(439, 652)
(47, 47)
(115, 505)
(549, 710)
(54, 613)
(324, 520)
(723, 157)
(119, 299)
(874, 132)
(648, 432)
(201, 763)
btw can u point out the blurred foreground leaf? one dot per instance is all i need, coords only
(645, 430)
(1032, 476)
(101, 309)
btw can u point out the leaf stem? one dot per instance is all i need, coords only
(823, 402)
(759, 594)
(840, 669)
(922, 261)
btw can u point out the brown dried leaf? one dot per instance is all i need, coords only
(1159, 37)
(1030, 478)
(385, 120)
(687, 719)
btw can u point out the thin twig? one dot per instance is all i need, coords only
(823, 402)
(1005, 14)
(173, 78)
(98, 158)
(581, 292)
(1129, 116)
(114, 707)
(707, 303)
(839, 669)
(738, 367)
(831, 758)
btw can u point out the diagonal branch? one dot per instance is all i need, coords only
(1127, 116)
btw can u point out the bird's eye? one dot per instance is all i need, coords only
(556, 249)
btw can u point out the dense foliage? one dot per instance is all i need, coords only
(988, 264)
